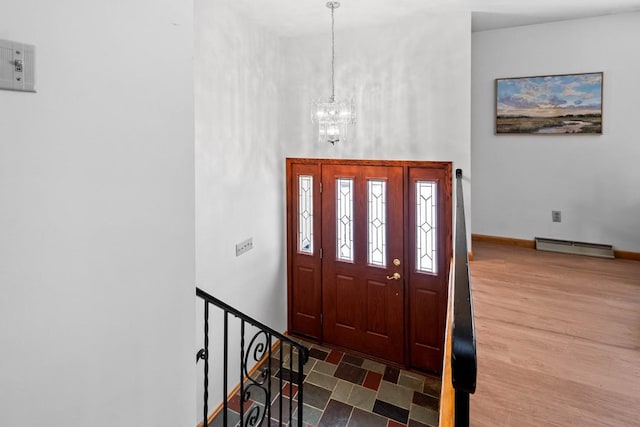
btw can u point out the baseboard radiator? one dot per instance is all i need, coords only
(576, 248)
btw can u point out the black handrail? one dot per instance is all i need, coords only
(259, 349)
(463, 341)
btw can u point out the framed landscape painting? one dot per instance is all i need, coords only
(550, 105)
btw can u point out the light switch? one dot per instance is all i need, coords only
(17, 66)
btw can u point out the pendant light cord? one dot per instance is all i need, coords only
(333, 57)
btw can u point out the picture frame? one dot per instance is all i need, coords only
(560, 104)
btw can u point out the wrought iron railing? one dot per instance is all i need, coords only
(266, 374)
(463, 344)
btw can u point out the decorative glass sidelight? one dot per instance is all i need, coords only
(344, 219)
(426, 239)
(305, 214)
(377, 222)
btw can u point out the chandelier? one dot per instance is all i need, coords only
(333, 115)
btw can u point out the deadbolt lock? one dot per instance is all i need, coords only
(396, 262)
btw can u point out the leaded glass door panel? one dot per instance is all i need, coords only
(429, 255)
(303, 253)
(362, 236)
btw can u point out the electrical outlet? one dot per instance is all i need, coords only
(244, 246)
(556, 216)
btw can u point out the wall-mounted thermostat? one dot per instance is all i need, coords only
(17, 66)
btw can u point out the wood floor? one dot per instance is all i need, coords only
(558, 339)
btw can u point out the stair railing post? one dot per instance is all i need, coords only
(225, 391)
(206, 364)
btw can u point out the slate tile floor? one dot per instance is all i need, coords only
(343, 390)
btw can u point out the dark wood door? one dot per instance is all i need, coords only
(341, 285)
(362, 261)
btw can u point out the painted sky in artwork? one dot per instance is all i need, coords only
(550, 96)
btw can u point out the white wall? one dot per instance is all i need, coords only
(238, 192)
(253, 92)
(97, 217)
(593, 180)
(239, 186)
(412, 84)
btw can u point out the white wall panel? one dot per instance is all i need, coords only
(593, 180)
(97, 217)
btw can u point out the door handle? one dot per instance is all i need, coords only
(396, 276)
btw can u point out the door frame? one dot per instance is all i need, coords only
(445, 215)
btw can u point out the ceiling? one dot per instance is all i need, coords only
(305, 17)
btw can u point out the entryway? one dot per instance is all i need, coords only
(369, 246)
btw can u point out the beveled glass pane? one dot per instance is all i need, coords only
(305, 212)
(426, 239)
(344, 219)
(377, 222)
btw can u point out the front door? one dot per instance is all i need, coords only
(362, 241)
(369, 247)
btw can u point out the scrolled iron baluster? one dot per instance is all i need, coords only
(255, 416)
(256, 350)
(258, 353)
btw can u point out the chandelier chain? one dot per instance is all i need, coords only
(333, 56)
